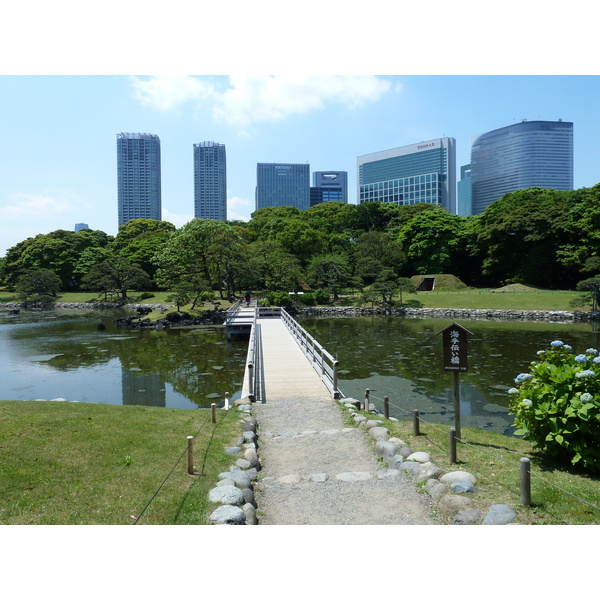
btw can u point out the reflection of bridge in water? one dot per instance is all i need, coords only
(284, 360)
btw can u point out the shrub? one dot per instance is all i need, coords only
(321, 296)
(146, 295)
(279, 299)
(557, 404)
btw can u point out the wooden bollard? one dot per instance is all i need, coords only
(190, 454)
(452, 445)
(226, 400)
(386, 407)
(416, 422)
(525, 482)
(366, 405)
(213, 412)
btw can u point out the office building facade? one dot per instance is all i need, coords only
(282, 184)
(138, 177)
(463, 192)
(329, 186)
(523, 155)
(210, 181)
(424, 172)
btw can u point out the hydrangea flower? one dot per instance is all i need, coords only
(521, 377)
(597, 360)
(592, 351)
(526, 402)
(581, 358)
(513, 391)
(585, 374)
(567, 347)
(585, 397)
(541, 352)
(557, 344)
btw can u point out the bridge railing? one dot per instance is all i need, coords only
(254, 364)
(231, 312)
(324, 363)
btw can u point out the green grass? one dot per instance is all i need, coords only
(78, 463)
(494, 460)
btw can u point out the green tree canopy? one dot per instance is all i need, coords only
(116, 275)
(38, 285)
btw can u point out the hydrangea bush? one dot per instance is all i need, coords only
(557, 404)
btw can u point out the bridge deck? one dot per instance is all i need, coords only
(287, 372)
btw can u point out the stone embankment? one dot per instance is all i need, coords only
(449, 313)
(450, 492)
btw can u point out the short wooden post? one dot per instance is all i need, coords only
(525, 482)
(452, 445)
(251, 382)
(416, 422)
(226, 400)
(190, 454)
(386, 407)
(367, 403)
(213, 410)
(336, 392)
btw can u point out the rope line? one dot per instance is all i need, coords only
(496, 456)
(171, 471)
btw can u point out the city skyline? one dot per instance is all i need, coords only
(52, 176)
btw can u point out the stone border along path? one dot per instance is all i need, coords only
(326, 474)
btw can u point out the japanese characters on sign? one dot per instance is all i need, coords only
(455, 348)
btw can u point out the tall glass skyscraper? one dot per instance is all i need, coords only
(329, 186)
(523, 155)
(280, 184)
(210, 181)
(138, 176)
(424, 172)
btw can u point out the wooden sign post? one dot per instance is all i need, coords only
(454, 339)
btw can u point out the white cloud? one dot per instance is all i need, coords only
(26, 205)
(239, 209)
(251, 98)
(166, 92)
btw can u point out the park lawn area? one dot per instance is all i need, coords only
(98, 464)
(494, 460)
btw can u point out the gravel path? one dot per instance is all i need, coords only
(315, 470)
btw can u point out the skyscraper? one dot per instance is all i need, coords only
(138, 176)
(329, 186)
(463, 192)
(424, 172)
(280, 184)
(210, 181)
(523, 155)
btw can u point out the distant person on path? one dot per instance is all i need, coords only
(247, 298)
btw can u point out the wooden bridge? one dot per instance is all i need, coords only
(283, 357)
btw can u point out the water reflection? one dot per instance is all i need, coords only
(63, 355)
(402, 359)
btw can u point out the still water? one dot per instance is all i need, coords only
(403, 359)
(62, 355)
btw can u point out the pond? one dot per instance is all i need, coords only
(402, 358)
(50, 355)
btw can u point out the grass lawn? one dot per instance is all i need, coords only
(495, 462)
(78, 463)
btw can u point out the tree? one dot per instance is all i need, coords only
(592, 287)
(273, 268)
(374, 251)
(38, 285)
(330, 272)
(116, 275)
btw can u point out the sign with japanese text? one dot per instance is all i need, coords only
(454, 339)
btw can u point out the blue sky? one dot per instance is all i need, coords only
(58, 150)
(68, 86)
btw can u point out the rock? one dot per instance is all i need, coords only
(385, 449)
(437, 490)
(248, 495)
(358, 419)
(252, 473)
(240, 478)
(405, 452)
(227, 481)
(421, 457)
(228, 515)
(249, 436)
(397, 441)
(388, 473)
(318, 477)
(353, 476)
(379, 433)
(462, 487)
(409, 466)
(252, 457)
(227, 495)
(373, 423)
(499, 514)
(457, 476)
(295, 478)
(471, 516)
(395, 461)
(452, 503)
(242, 463)
(250, 513)
(244, 426)
(233, 450)
(426, 471)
